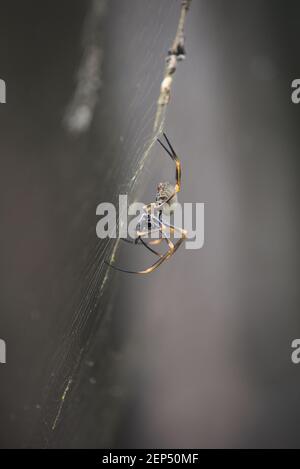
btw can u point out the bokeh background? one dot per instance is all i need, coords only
(198, 354)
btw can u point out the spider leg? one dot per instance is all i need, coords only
(171, 152)
(145, 233)
(170, 146)
(149, 248)
(155, 242)
(165, 148)
(146, 271)
(172, 249)
(181, 239)
(154, 266)
(162, 259)
(136, 241)
(140, 241)
(173, 228)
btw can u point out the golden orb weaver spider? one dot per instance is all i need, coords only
(165, 202)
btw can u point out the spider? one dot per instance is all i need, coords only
(151, 218)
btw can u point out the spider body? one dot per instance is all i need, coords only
(166, 197)
(151, 218)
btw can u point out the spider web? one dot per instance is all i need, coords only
(113, 108)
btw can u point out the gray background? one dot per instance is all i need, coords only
(198, 354)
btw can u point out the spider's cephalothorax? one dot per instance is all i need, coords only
(166, 196)
(151, 218)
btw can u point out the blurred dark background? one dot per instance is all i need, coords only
(197, 354)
